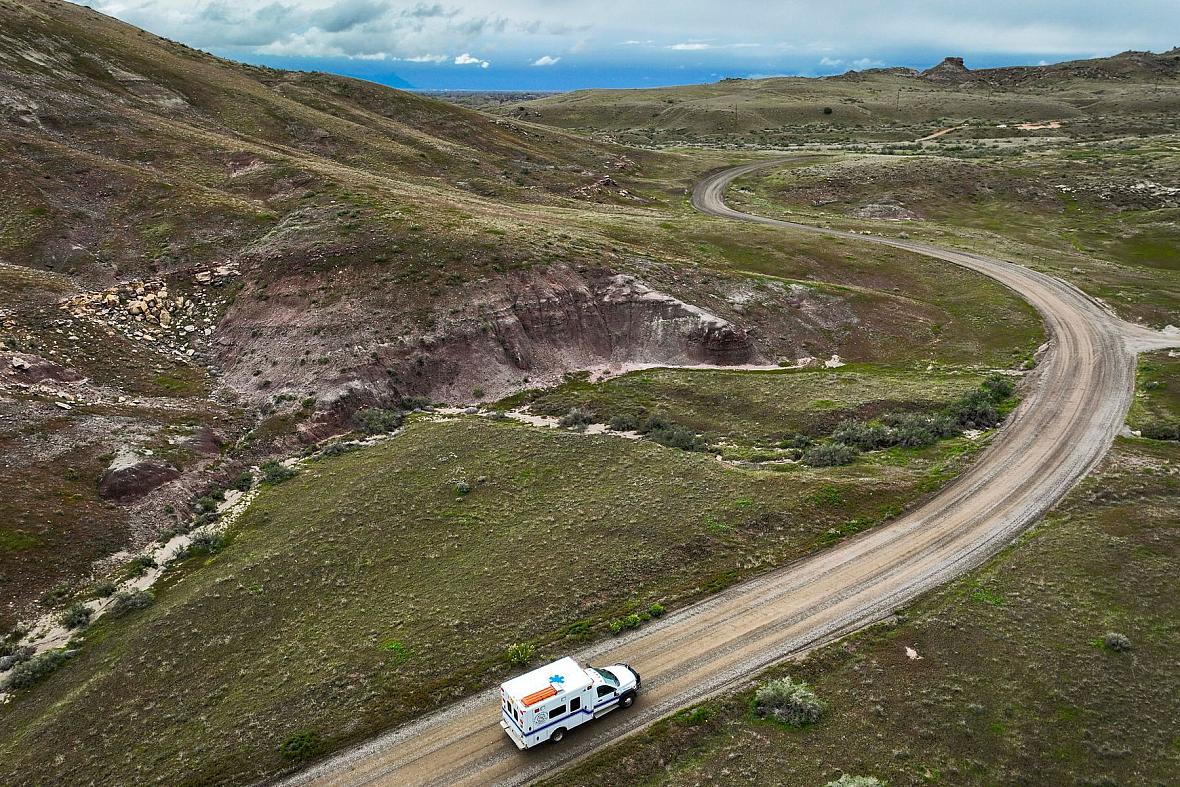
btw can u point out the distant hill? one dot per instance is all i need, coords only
(1141, 84)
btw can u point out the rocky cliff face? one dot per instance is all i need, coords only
(491, 337)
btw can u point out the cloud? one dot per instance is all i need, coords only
(467, 59)
(546, 60)
(426, 58)
(790, 36)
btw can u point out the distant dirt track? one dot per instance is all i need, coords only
(1064, 426)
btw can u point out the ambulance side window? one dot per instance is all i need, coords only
(575, 704)
(559, 710)
(605, 690)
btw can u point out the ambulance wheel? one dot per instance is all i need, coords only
(557, 735)
(627, 700)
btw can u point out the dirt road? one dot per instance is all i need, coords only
(1083, 389)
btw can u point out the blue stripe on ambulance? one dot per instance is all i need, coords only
(586, 711)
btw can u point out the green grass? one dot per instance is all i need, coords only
(1105, 231)
(365, 591)
(1010, 686)
(756, 408)
(1157, 390)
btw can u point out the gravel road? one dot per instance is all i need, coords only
(1077, 405)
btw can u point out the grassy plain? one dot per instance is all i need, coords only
(1013, 676)
(373, 587)
(1100, 214)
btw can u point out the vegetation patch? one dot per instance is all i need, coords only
(1062, 680)
(295, 618)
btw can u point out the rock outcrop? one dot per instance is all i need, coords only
(131, 475)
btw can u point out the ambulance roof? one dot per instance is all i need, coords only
(562, 675)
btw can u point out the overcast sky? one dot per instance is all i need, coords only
(561, 44)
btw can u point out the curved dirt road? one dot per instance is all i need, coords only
(1064, 426)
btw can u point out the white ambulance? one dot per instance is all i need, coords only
(544, 704)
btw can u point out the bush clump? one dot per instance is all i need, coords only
(16, 656)
(300, 746)
(625, 422)
(26, 673)
(848, 780)
(203, 544)
(1117, 642)
(520, 653)
(788, 702)
(576, 418)
(140, 564)
(275, 472)
(76, 616)
(243, 482)
(129, 601)
(377, 420)
(677, 436)
(104, 589)
(1159, 430)
(829, 455)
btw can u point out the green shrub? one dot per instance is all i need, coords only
(414, 403)
(375, 420)
(795, 440)
(206, 504)
(626, 422)
(829, 455)
(521, 653)
(1159, 430)
(677, 436)
(275, 472)
(998, 387)
(657, 610)
(848, 780)
(976, 410)
(300, 746)
(634, 620)
(243, 482)
(1119, 643)
(338, 448)
(694, 716)
(104, 589)
(788, 702)
(140, 564)
(863, 436)
(76, 616)
(129, 601)
(26, 673)
(577, 418)
(202, 544)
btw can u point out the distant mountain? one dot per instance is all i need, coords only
(1126, 83)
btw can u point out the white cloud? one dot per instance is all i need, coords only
(830, 61)
(546, 60)
(467, 59)
(783, 36)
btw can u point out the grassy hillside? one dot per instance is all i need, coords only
(1134, 92)
(388, 581)
(1100, 214)
(1015, 678)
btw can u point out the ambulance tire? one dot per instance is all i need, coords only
(557, 735)
(627, 700)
